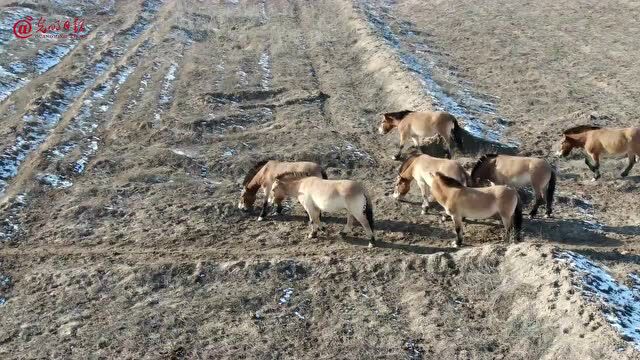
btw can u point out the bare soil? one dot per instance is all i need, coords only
(122, 165)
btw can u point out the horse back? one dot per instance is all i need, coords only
(428, 123)
(450, 168)
(275, 168)
(613, 140)
(521, 170)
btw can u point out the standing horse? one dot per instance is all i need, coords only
(317, 195)
(263, 174)
(419, 125)
(461, 202)
(518, 171)
(597, 141)
(417, 167)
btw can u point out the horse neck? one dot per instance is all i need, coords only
(255, 183)
(408, 172)
(579, 139)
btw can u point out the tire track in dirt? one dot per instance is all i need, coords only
(70, 100)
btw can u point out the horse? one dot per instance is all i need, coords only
(518, 171)
(597, 141)
(461, 202)
(319, 195)
(417, 167)
(263, 174)
(419, 125)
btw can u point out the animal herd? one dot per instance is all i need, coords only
(488, 191)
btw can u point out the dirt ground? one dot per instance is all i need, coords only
(123, 153)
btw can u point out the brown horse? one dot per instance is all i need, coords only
(461, 202)
(263, 174)
(597, 141)
(518, 171)
(419, 125)
(417, 167)
(318, 195)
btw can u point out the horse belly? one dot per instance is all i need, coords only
(330, 204)
(521, 180)
(479, 213)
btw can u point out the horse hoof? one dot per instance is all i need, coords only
(594, 179)
(624, 174)
(423, 212)
(260, 218)
(312, 236)
(395, 157)
(548, 216)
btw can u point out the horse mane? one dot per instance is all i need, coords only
(412, 157)
(399, 115)
(448, 181)
(253, 171)
(580, 129)
(292, 174)
(483, 159)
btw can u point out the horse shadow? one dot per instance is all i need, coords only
(570, 232)
(423, 229)
(633, 230)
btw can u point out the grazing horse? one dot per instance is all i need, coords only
(417, 167)
(419, 125)
(461, 202)
(318, 195)
(263, 174)
(518, 171)
(597, 141)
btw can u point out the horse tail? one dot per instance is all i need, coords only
(324, 174)
(368, 211)
(517, 219)
(456, 133)
(551, 189)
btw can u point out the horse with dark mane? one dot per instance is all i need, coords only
(518, 171)
(263, 174)
(461, 202)
(419, 125)
(320, 195)
(417, 167)
(597, 141)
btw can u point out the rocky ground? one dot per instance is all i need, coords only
(123, 152)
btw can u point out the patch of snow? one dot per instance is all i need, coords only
(50, 58)
(288, 292)
(56, 181)
(265, 65)
(620, 305)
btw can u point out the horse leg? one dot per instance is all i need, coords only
(632, 161)
(539, 201)
(403, 140)
(424, 190)
(595, 167)
(314, 219)
(508, 226)
(457, 222)
(265, 204)
(359, 214)
(279, 207)
(348, 228)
